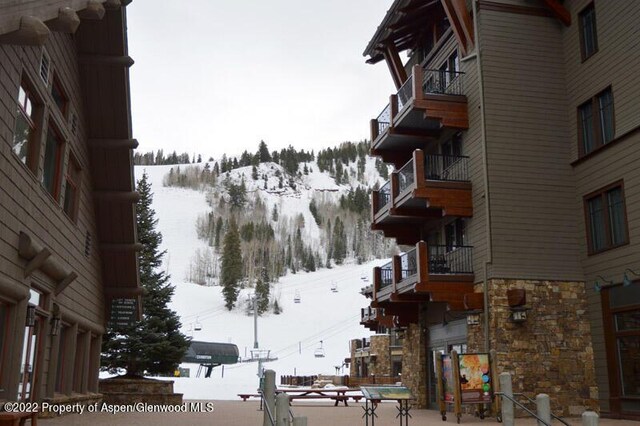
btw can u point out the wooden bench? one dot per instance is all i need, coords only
(18, 419)
(246, 396)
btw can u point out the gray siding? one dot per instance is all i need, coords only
(617, 63)
(534, 232)
(24, 203)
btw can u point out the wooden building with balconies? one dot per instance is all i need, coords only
(513, 194)
(68, 238)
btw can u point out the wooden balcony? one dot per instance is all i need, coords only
(418, 113)
(424, 274)
(374, 318)
(427, 188)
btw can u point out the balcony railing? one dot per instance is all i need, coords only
(405, 94)
(384, 119)
(450, 259)
(384, 195)
(406, 176)
(408, 264)
(446, 167)
(386, 275)
(442, 82)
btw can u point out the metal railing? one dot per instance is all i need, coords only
(450, 259)
(446, 167)
(384, 119)
(386, 275)
(405, 93)
(384, 195)
(409, 264)
(406, 176)
(531, 413)
(442, 82)
(560, 419)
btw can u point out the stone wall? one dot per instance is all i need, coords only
(414, 363)
(380, 348)
(551, 352)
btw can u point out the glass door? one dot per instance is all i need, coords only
(27, 366)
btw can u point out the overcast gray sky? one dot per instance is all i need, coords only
(217, 76)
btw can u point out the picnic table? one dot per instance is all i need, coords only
(336, 394)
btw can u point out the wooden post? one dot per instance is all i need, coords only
(396, 268)
(375, 204)
(377, 277)
(373, 128)
(440, 391)
(455, 367)
(393, 106)
(418, 169)
(395, 187)
(422, 258)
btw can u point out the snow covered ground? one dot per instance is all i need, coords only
(292, 336)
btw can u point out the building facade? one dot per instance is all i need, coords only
(514, 135)
(67, 197)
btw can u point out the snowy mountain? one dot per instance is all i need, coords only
(292, 336)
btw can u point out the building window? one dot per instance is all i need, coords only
(25, 128)
(588, 33)
(596, 122)
(53, 162)
(59, 96)
(72, 188)
(606, 219)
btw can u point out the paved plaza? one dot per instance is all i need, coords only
(237, 413)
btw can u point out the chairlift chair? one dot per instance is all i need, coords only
(319, 352)
(334, 287)
(197, 326)
(296, 298)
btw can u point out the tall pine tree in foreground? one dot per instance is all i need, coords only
(231, 269)
(155, 345)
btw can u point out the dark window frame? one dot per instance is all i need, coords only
(58, 162)
(602, 193)
(56, 86)
(596, 122)
(583, 54)
(33, 120)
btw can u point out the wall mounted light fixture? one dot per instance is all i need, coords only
(31, 316)
(626, 281)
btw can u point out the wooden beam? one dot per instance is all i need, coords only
(122, 196)
(94, 11)
(117, 292)
(113, 60)
(112, 4)
(113, 143)
(559, 11)
(35, 263)
(456, 25)
(67, 21)
(464, 17)
(392, 57)
(65, 282)
(32, 32)
(121, 247)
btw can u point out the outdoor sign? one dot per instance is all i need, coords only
(447, 378)
(475, 378)
(123, 312)
(381, 393)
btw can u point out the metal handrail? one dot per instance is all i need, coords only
(409, 264)
(386, 275)
(406, 177)
(561, 420)
(504, 395)
(266, 407)
(443, 82)
(384, 195)
(405, 93)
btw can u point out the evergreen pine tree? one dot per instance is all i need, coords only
(231, 269)
(154, 345)
(262, 292)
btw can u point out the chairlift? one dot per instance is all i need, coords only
(319, 352)
(334, 287)
(197, 326)
(296, 298)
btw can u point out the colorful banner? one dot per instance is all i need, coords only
(447, 378)
(475, 378)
